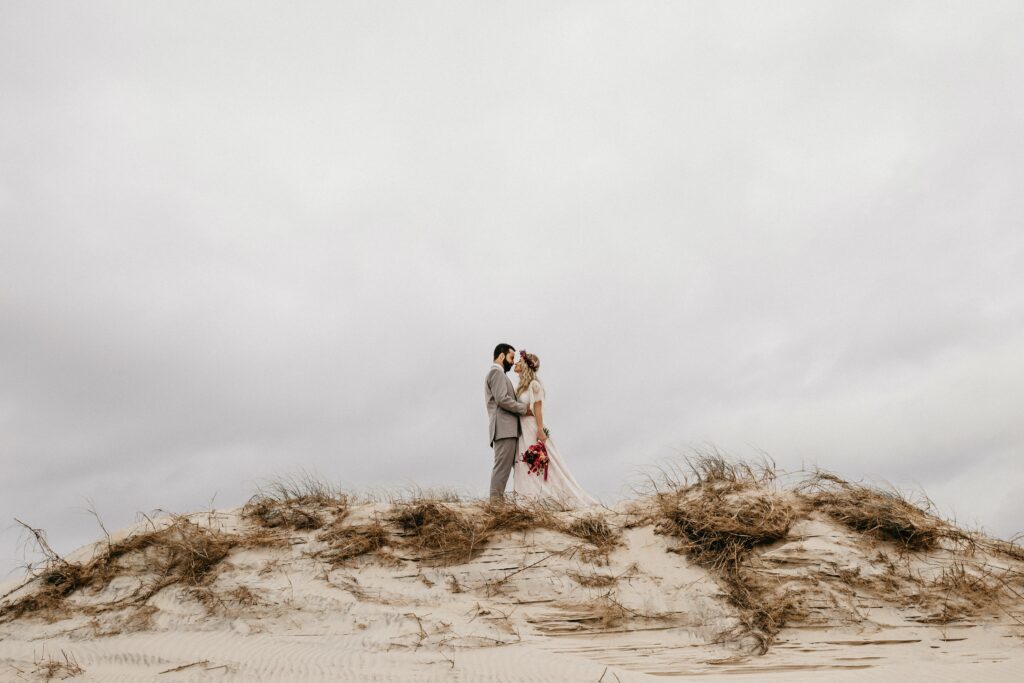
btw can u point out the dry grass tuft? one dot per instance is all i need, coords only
(440, 533)
(519, 516)
(1011, 548)
(721, 514)
(705, 466)
(299, 502)
(348, 541)
(606, 611)
(303, 487)
(593, 580)
(182, 553)
(289, 514)
(967, 584)
(965, 589)
(417, 494)
(523, 516)
(762, 612)
(515, 516)
(721, 523)
(885, 514)
(593, 529)
(55, 583)
(50, 668)
(443, 534)
(226, 602)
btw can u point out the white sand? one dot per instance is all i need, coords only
(373, 621)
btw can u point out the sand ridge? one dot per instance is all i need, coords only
(533, 603)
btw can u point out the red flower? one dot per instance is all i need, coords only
(536, 457)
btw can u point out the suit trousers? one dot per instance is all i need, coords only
(505, 451)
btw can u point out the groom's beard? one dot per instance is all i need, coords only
(505, 364)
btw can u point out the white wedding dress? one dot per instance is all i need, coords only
(560, 488)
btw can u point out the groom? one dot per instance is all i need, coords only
(503, 410)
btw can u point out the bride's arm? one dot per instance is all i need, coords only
(538, 413)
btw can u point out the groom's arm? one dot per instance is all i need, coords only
(499, 389)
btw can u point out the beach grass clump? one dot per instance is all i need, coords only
(721, 514)
(345, 542)
(52, 586)
(594, 529)
(413, 493)
(303, 487)
(227, 602)
(179, 553)
(723, 509)
(282, 514)
(447, 534)
(509, 516)
(885, 514)
(525, 515)
(719, 525)
(1011, 548)
(708, 466)
(762, 612)
(48, 667)
(967, 587)
(302, 502)
(439, 532)
(973, 589)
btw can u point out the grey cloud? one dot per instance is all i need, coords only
(239, 239)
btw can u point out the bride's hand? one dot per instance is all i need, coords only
(541, 436)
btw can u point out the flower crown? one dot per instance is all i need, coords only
(526, 359)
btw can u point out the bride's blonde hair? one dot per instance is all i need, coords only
(531, 365)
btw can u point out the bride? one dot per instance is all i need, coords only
(560, 486)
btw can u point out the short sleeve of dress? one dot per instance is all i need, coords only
(538, 390)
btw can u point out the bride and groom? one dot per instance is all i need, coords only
(517, 423)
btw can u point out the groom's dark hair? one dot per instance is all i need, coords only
(502, 349)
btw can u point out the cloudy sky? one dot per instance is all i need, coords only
(244, 239)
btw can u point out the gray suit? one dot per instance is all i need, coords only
(503, 410)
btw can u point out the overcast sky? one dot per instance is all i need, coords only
(240, 239)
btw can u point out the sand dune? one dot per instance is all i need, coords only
(323, 587)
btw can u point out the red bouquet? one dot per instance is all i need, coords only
(536, 457)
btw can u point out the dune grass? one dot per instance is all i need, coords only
(179, 553)
(345, 542)
(48, 668)
(445, 534)
(721, 511)
(301, 502)
(886, 514)
(721, 514)
(440, 533)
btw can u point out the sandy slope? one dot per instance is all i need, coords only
(516, 612)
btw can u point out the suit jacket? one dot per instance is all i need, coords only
(502, 407)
